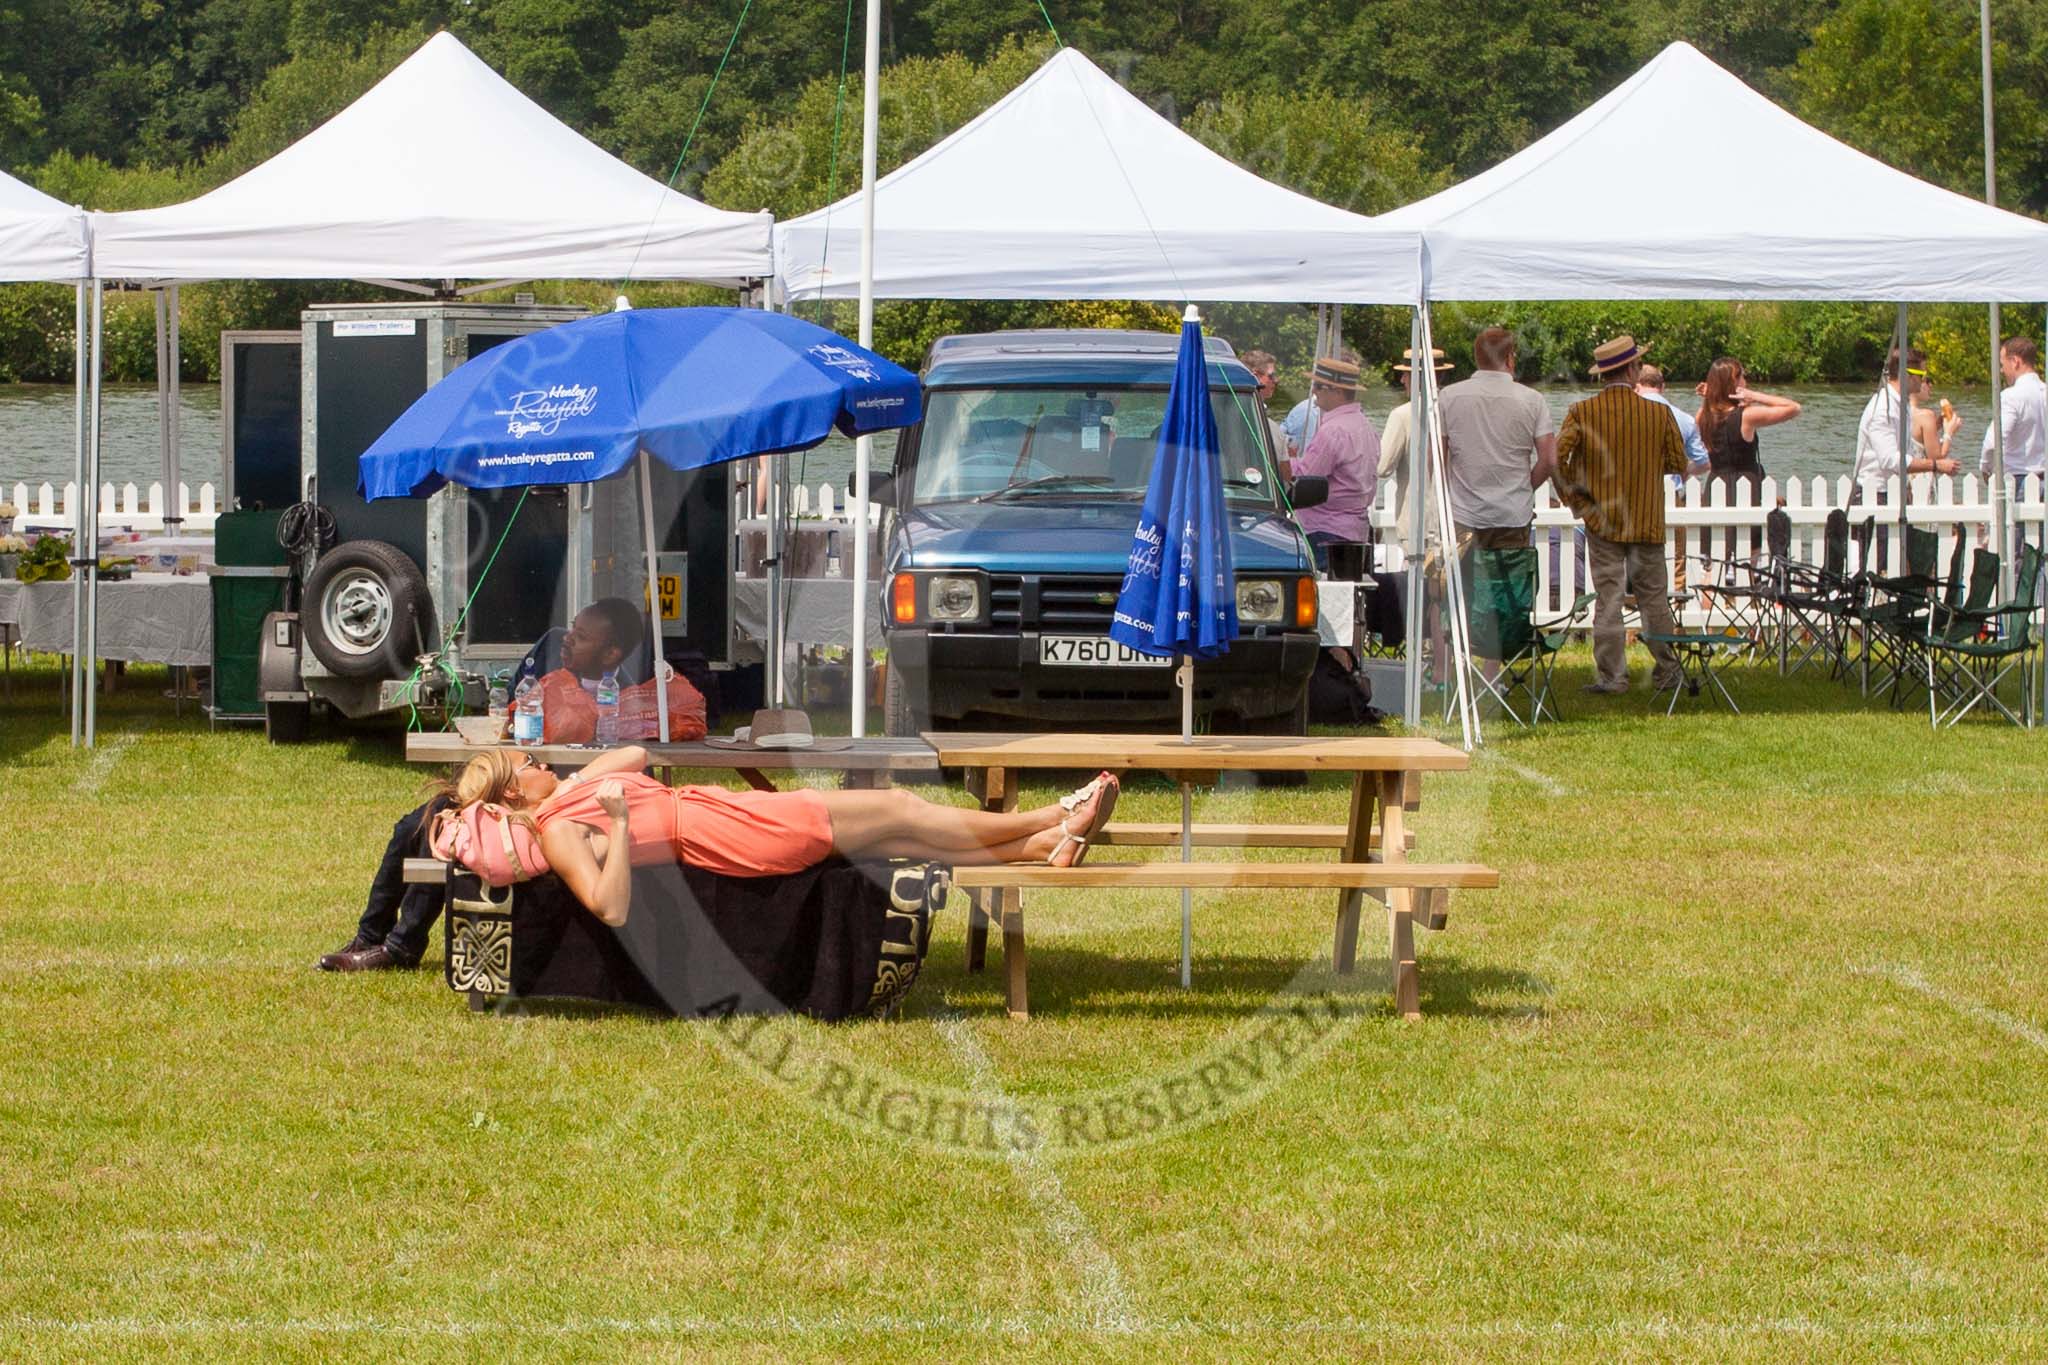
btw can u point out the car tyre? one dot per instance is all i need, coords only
(901, 717)
(367, 613)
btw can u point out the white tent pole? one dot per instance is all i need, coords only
(1419, 419)
(86, 545)
(163, 403)
(657, 668)
(1905, 439)
(1998, 497)
(174, 503)
(864, 447)
(80, 378)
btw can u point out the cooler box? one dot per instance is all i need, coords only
(249, 576)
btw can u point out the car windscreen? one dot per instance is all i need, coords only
(1099, 440)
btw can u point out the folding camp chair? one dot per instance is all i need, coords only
(1815, 604)
(1886, 623)
(1744, 591)
(1975, 651)
(1500, 588)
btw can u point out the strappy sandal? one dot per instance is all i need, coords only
(1104, 788)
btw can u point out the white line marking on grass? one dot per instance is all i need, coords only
(1982, 1013)
(103, 760)
(1940, 1327)
(1108, 1303)
(1550, 786)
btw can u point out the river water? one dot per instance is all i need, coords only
(36, 434)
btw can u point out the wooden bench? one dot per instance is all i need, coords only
(1371, 846)
(1423, 898)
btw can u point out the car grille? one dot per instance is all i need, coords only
(1080, 604)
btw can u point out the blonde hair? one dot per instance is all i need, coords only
(492, 775)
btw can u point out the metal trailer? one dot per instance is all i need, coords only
(379, 594)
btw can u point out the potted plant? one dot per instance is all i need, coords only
(11, 548)
(8, 512)
(47, 559)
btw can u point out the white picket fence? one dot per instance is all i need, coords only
(1712, 519)
(51, 508)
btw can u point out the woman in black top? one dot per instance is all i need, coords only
(1731, 414)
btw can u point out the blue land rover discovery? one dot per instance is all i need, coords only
(1016, 499)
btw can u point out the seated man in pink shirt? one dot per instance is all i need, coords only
(1346, 451)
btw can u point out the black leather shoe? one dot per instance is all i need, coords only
(354, 945)
(375, 958)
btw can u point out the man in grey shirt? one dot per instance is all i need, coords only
(1499, 446)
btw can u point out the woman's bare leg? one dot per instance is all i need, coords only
(1035, 849)
(900, 824)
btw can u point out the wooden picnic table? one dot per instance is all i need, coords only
(860, 763)
(1385, 783)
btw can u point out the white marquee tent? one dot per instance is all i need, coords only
(40, 238)
(1684, 183)
(1069, 187)
(442, 170)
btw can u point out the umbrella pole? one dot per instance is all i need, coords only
(657, 664)
(1186, 676)
(174, 473)
(1420, 417)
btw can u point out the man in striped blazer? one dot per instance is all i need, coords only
(1613, 454)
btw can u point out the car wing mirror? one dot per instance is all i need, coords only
(1310, 490)
(881, 487)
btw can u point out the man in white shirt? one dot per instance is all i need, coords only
(1877, 432)
(2022, 410)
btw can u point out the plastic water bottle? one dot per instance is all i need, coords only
(500, 705)
(608, 708)
(528, 722)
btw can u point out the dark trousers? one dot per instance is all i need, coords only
(398, 915)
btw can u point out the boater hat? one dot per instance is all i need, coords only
(779, 729)
(1336, 374)
(1617, 354)
(1436, 360)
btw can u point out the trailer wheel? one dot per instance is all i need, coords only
(284, 722)
(367, 613)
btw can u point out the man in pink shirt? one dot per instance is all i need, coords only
(1346, 451)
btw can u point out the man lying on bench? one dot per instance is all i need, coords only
(513, 819)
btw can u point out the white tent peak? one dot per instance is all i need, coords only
(1631, 199)
(441, 169)
(41, 238)
(1069, 186)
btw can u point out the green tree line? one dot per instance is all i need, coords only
(119, 104)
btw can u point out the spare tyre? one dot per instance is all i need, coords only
(366, 612)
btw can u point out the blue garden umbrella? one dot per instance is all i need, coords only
(687, 386)
(1180, 593)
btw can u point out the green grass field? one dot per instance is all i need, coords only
(1745, 1059)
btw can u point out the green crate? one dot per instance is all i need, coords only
(240, 602)
(248, 539)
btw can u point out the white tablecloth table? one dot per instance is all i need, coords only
(151, 618)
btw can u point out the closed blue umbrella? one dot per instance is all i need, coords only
(687, 386)
(1180, 593)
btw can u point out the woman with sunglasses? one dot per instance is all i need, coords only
(582, 823)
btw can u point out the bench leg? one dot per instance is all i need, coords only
(1357, 849)
(1401, 950)
(1015, 962)
(1400, 903)
(977, 932)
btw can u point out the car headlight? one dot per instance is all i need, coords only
(952, 599)
(1260, 601)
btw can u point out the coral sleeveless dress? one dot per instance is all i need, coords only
(736, 834)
